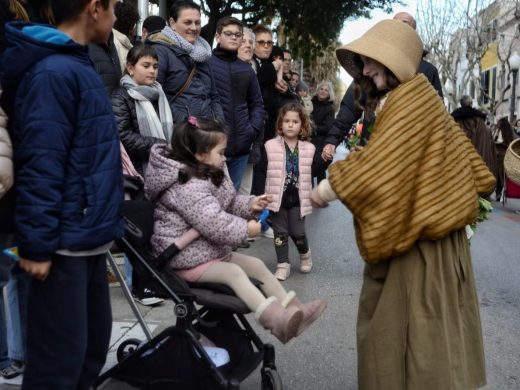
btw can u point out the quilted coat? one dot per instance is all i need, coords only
(137, 146)
(68, 179)
(275, 149)
(6, 154)
(241, 100)
(217, 213)
(201, 97)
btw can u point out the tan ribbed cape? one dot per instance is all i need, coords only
(418, 178)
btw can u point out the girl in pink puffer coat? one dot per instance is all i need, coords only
(190, 187)
(289, 182)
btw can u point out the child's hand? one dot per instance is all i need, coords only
(258, 203)
(37, 269)
(253, 228)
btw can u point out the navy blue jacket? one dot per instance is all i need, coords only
(241, 100)
(68, 178)
(200, 98)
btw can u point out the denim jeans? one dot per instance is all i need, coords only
(6, 263)
(13, 322)
(236, 167)
(128, 273)
(17, 292)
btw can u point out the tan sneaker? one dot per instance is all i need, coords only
(283, 270)
(306, 262)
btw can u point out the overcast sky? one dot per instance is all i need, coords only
(355, 28)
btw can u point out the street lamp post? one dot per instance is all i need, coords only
(514, 64)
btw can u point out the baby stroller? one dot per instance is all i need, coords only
(176, 358)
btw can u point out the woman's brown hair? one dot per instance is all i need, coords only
(365, 88)
(306, 128)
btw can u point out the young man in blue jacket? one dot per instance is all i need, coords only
(68, 187)
(240, 96)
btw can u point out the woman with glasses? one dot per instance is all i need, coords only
(184, 70)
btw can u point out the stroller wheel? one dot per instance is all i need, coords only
(126, 348)
(271, 379)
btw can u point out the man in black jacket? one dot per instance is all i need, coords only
(106, 62)
(349, 112)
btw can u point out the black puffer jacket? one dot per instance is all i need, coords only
(323, 116)
(137, 146)
(106, 61)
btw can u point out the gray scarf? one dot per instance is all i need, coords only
(200, 51)
(150, 125)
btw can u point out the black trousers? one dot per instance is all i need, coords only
(69, 324)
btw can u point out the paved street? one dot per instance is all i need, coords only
(324, 357)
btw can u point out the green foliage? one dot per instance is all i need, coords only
(484, 210)
(313, 25)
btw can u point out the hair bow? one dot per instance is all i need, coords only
(193, 121)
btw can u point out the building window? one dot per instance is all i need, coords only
(493, 84)
(484, 82)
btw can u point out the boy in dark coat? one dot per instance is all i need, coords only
(240, 96)
(68, 186)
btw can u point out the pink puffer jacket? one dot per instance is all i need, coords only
(275, 149)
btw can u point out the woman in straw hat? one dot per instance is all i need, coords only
(412, 190)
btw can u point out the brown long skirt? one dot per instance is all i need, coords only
(418, 323)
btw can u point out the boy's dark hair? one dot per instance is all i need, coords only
(178, 6)
(139, 51)
(228, 21)
(154, 23)
(189, 139)
(306, 127)
(287, 51)
(127, 16)
(64, 10)
(260, 28)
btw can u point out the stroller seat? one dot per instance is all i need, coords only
(210, 309)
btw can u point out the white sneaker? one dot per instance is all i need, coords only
(283, 270)
(268, 233)
(147, 298)
(16, 381)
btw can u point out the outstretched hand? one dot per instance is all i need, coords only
(258, 203)
(316, 199)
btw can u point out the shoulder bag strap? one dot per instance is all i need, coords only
(186, 83)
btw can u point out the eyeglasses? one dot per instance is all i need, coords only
(230, 34)
(265, 43)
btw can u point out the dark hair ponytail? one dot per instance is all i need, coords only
(197, 136)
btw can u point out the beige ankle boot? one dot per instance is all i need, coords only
(282, 322)
(283, 270)
(305, 262)
(311, 310)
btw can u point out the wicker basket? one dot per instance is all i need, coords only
(512, 161)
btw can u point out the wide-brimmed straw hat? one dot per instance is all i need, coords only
(390, 42)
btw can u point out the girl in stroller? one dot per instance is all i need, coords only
(191, 189)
